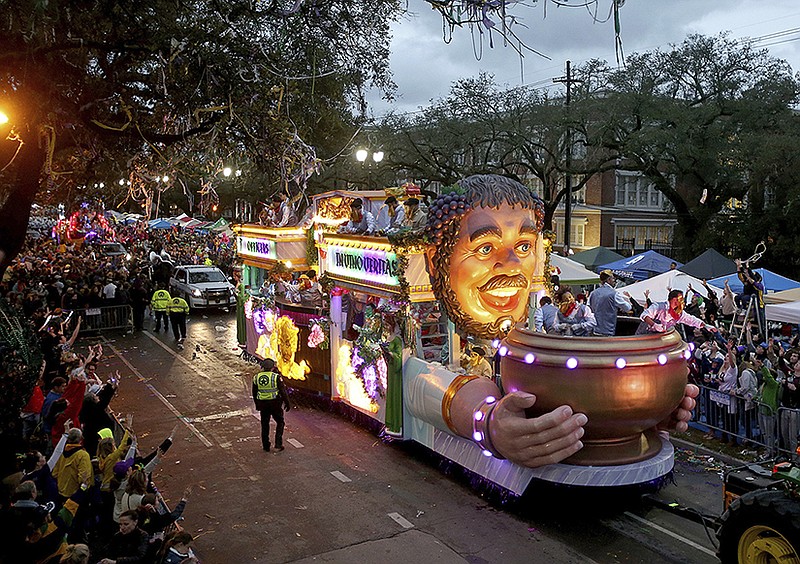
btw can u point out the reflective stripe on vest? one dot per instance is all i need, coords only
(178, 305)
(266, 385)
(160, 301)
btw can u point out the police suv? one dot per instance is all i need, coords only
(202, 286)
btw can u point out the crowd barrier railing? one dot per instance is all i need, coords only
(105, 318)
(749, 422)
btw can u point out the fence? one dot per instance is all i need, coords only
(749, 422)
(102, 318)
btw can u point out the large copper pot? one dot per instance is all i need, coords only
(624, 385)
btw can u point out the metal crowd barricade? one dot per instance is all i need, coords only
(788, 421)
(759, 426)
(108, 317)
(734, 417)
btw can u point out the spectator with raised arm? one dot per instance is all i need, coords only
(661, 317)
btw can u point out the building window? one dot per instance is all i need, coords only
(640, 234)
(576, 232)
(633, 190)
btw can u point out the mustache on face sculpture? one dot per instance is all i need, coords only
(504, 281)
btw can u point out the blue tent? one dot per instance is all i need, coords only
(639, 267)
(772, 282)
(159, 224)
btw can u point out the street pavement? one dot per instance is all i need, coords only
(340, 494)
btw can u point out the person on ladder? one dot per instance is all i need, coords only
(752, 296)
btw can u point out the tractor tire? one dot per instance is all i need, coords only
(761, 526)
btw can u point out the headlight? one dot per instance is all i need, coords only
(197, 293)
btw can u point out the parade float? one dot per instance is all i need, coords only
(402, 306)
(273, 326)
(382, 308)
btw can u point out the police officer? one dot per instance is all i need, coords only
(178, 310)
(159, 303)
(269, 394)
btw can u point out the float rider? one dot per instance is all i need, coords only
(178, 311)
(159, 303)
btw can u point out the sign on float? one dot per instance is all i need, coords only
(363, 264)
(257, 248)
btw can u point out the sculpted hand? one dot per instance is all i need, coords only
(679, 419)
(535, 442)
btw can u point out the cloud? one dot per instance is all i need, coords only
(424, 65)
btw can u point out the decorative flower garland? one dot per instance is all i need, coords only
(319, 336)
(367, 360)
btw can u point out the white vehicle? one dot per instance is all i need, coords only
(202, 286)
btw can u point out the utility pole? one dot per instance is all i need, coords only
(568, 80)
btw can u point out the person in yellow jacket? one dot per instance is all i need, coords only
(159, 303)
(74, 467)
(178, 310)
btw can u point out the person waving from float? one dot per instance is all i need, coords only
(663, 316)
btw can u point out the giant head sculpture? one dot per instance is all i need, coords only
(487, 253)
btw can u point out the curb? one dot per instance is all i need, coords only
(729, 460)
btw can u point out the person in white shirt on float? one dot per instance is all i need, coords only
(663, 316)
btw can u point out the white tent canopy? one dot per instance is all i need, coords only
(661, 284)
(572, 272)
(786, 312)
(785, 296)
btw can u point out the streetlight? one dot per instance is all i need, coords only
(3, 118)
(377, 157)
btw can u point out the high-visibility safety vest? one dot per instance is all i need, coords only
(178, 305)
(266, 385)
(160, 300)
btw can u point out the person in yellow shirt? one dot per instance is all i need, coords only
(178, 311)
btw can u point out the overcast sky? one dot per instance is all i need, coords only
(424, 66)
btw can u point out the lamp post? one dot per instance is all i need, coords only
(362, 157)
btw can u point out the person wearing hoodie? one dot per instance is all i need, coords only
(74, 467)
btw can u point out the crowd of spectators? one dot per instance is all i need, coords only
(748, 374)
(80, 489)
(81, 486)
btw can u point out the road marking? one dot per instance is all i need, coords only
(295, 443)
(177, 356)
(216, 416)
(341, 477)
(400, 520)
(667, 532)
(244, 379)
(156, 393)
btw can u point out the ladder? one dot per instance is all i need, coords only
(432, 339)
(740, 319)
